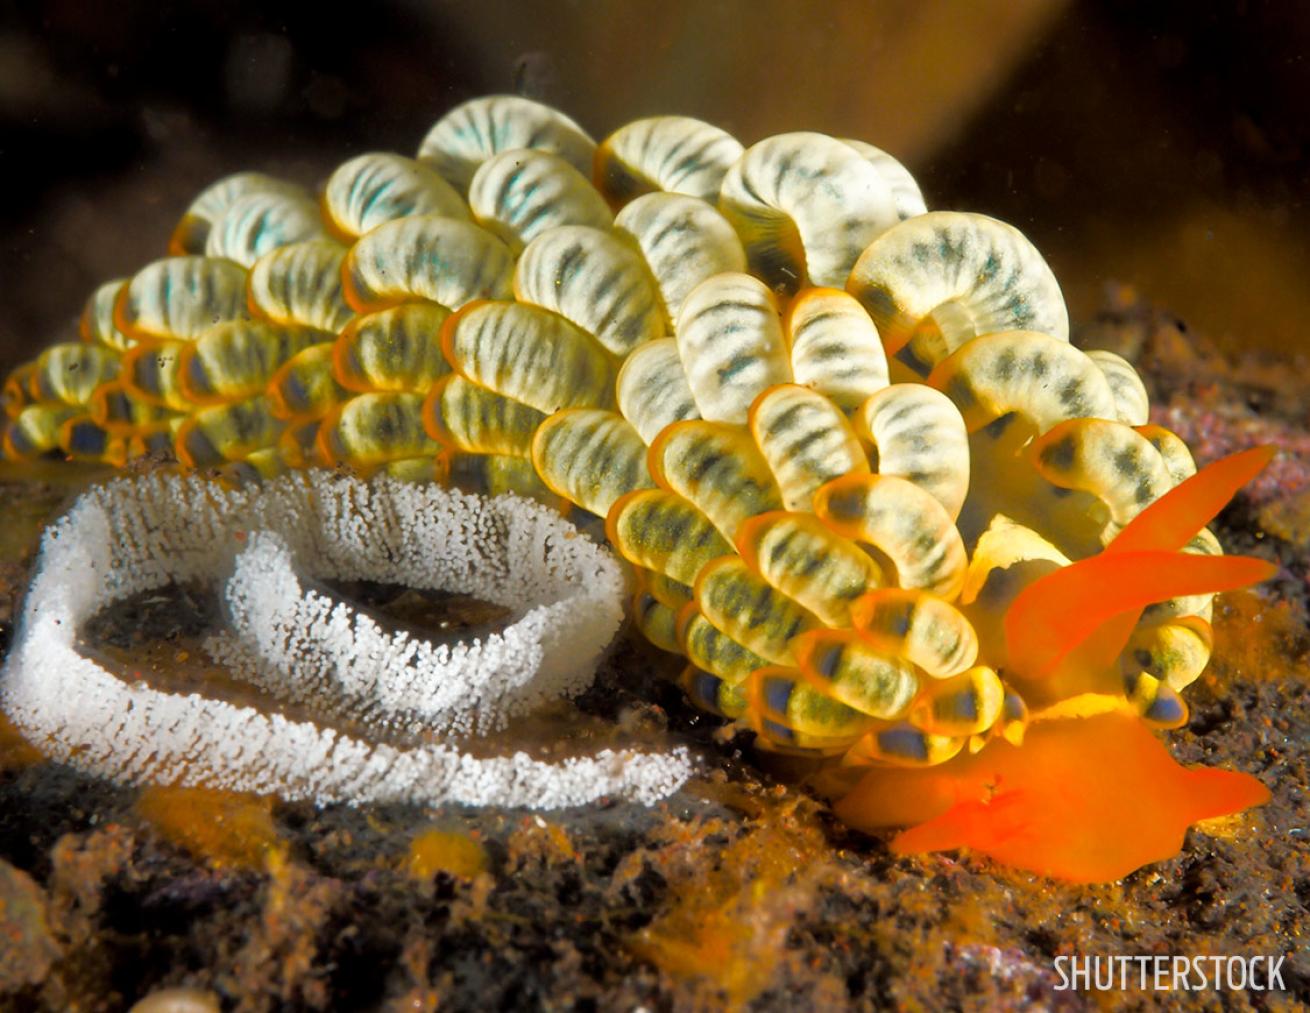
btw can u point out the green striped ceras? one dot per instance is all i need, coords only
(833, 433)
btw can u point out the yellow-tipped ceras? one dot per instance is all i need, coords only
(834, 434)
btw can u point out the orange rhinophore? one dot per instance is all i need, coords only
(1057, 613)
(1171, 521)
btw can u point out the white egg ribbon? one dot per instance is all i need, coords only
(260, 546)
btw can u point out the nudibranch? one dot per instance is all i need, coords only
(863, 482)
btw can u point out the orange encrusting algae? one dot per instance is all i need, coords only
(226, 828)
(435, 851)
(726, 929)
(1084, 800)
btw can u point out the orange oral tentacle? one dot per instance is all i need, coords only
(1084, 799)
(1171, 521)
(1056, 613)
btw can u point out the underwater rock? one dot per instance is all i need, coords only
(29, 946)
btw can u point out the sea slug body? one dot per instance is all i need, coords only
(859, 474)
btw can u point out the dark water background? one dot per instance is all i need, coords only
(1162, 145)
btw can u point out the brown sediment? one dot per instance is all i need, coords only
(726, 931)
(1259, 641)
(15, 751)
(27, 947)
(1289, 518)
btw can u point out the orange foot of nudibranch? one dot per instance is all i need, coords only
(1083, 799)
(1091, 794)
